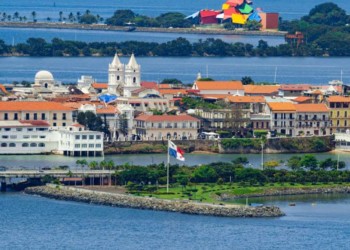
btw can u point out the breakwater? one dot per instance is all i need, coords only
(102, 27)
(290, 191)
(129, 201)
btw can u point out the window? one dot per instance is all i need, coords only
(91, 145)
(84, 145)
(77, 145)
(64, 116)
(42, 137)
(159, 125)
(12, 145)
(77, 137)
(27, 116)
(91, 137)
(15, 116)
(6, 116)
(64, 124)
(54, 124)
(84, 137)
(43, 116)
(98, 145)
(35, 117)
(25, 145)
(54, 116)
(30, 129)
(134, 80)
(98, 137)
(13, 136)
(33, 145)
(175, 125)
(18, 129)
(184, 125)
(7, 129)
(26, 137)
(5, 137)
(41, 145)
(3, 145)
(34, 136)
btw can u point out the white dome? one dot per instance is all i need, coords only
(44, 75)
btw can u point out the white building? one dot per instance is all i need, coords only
(37, 137)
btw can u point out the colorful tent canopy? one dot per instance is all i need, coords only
(239, 18)
(245, 9)
(254, 17)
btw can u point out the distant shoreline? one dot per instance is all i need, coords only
(102, 27)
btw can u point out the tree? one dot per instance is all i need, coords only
(60, 16)
(171, 81)
(88, 19)
(123, 124)
(120, 17)
(294, 163)
(327, 14)
(34, 16)
(204, 174)
(246, 80)
(90, 121)
(309, 161)
(173, 19)
(252, 25)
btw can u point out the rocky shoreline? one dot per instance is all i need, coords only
(102, 27)
(129, 201)
(290, 191)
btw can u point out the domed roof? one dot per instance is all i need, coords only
(44, 75)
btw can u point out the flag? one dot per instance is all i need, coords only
(175, 151)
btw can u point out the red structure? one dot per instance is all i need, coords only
(269, 21)
(295, 39)
(208, 16)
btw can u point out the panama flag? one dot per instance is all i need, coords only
(175, 151)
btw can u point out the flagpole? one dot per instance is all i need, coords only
(167, 170)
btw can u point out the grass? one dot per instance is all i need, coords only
(209, 192)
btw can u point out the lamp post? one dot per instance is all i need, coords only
(262, 155)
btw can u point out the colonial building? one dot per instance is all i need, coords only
(219, 87)
(339, 112)
(56, 114)
(261, 90)
(282, 117)
(293, 90)
(312, 119)
(161, 127)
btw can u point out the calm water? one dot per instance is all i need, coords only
(18, 35)
(105, 8)
(36, 161)
(39, 223)
(287, 70)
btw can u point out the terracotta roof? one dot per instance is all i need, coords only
(3, 89)
(77, 125)
(100, 85)
(33, 106)
(317, 92)
(261, 89)
(166, 118)
(310, 107)
(173, 91)
(295, 87)
(214, 96)
(282, 106)
(73, 105)
(302, 99)
(246, 99)
(107, 110)
(35, 122)
(219, 85)
(165, 86)
(336, 98)
(149, 85)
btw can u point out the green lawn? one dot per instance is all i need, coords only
(209, 192)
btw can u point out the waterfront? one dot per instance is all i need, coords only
(320, 222)
(51, 8)
(313, 70)
(39, 161)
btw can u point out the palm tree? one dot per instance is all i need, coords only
(103, 165)
(34, 16)
(61, 16)
(48, 19)
(93, 165)
(16, 15)
(71, 17)
(78, 16)
(87, 12)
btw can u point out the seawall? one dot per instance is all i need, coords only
(129, 201)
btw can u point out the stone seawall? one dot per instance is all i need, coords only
(291, 191)
(129, 201)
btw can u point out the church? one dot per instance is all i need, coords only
(123, 79)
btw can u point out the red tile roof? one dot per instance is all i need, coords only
(246, 99)
(261, 89)
(336, 98)
(173, 91)
(166, 118)
(100, 85)
(285, 107)
(106, 110)
(295, 87)
(33, 106)
(3, 89)
(319, 107)
(35, 122)
(219, 85)
(149, 85)
(301, 99)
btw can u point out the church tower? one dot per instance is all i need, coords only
(132, 76)
(116, 76)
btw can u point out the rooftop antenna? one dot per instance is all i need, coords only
(275, 79)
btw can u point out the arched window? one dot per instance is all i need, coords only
(175, 135)
(41, 145)
(33, 145)
(118, 78)
(12, 145)
(46, 85)
(168, 135)
(25, 145)
(3, 145)
(134, 80)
